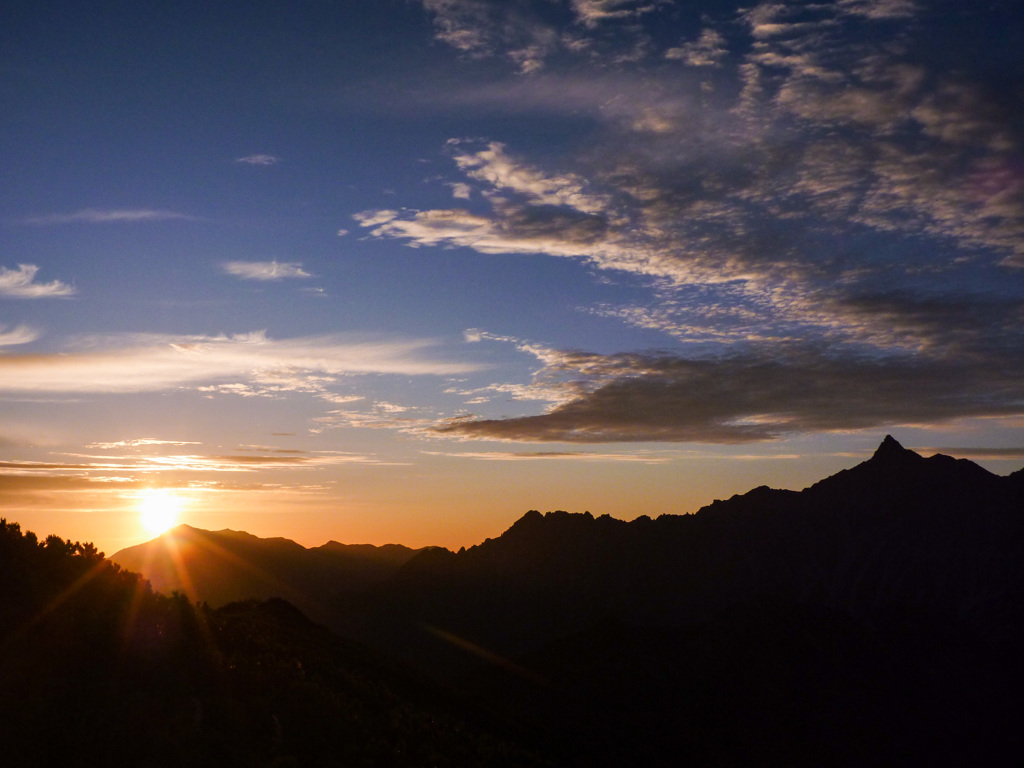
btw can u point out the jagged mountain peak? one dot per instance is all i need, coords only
(533, 522)
(891, 457)
(891, 450)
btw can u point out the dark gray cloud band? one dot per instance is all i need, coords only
(743, 398)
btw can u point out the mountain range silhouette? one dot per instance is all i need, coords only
(877, 614)
(939, 536)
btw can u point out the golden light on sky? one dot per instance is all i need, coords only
(159, 509)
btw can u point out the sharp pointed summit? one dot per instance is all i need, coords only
(890, 448)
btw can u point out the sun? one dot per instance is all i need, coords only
(158, 509)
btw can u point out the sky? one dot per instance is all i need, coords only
(402, 270)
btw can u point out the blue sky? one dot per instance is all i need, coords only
(400, 271)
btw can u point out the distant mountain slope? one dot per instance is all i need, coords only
(223, 566)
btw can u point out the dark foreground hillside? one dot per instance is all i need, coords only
(97, 669)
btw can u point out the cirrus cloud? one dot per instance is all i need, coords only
(261, 159)
(20, 284)
(20, 334)
(265, 270)
(109, 216)
(153, 362)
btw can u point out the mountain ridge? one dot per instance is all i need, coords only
(894, 528)
(227, 565)
(897, 527)
(890, 456)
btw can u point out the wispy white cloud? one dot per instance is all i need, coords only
(133, 469)
(19, 334)
(502, 173)
(376, 415)
(486, 394)
(20, 284)
(528, 36)
(242, 462)
(531, 212)
(708, 50)
(141, 442)
(878, 174)
(109, 216)
(881, 9)
(480, 28)
(630, 458)
(265, 270)
(462, 24)
(151, 363)
(590, 13)
(259, 160)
